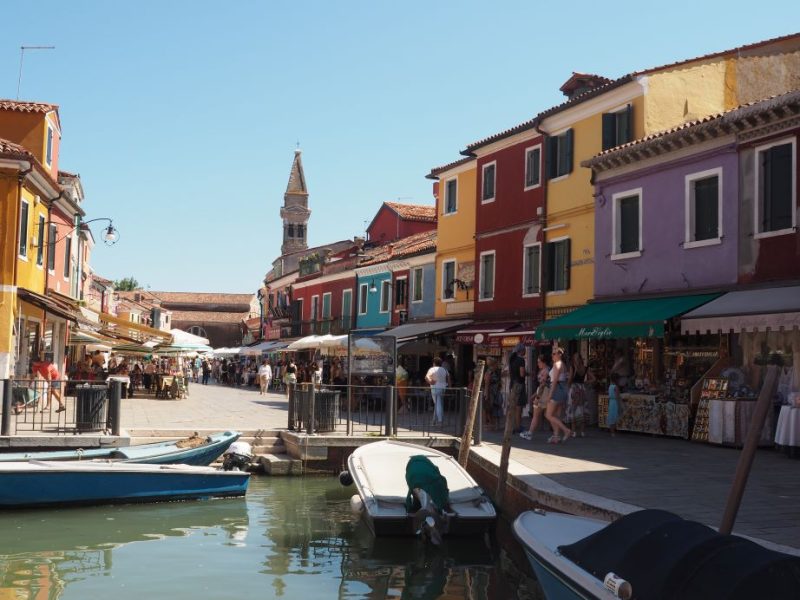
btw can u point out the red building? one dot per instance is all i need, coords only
(508, 234)
(394, 221)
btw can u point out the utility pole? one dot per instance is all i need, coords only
(21, 58)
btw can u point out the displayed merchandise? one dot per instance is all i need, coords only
(647, 414)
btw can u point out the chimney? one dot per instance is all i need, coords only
(390, 248)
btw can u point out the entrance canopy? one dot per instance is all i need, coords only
(415, 331)
(479, 332)
(748, 310)
(621, 319)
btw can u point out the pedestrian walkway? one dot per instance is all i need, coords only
(688, 478)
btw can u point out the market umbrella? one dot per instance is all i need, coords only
(305, 343)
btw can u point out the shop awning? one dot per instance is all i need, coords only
(50, 305)
(747, 310)
(621, 319)
(479, 331)
(415, 331)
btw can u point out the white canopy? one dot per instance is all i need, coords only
(184, 338)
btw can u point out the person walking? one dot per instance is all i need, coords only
(613, 403)
(540, 398)
(558, 398)
(264, 376)
(206, 368)
(517, 398)
(48, 371)
(290, 376)
(438, 378)
(401, 383)
(577, 396)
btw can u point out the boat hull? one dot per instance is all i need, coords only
(71, 485)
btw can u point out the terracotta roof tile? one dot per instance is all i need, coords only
(28, 107)
(436, 171)
(198, 316)
(10, 149)
(414, 212)
(201, 297)
(404, 247)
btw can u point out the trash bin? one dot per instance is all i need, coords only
(91, 404)
(326, 410)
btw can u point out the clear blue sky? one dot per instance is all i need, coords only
(182, 117)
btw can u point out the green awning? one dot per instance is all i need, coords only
(622, 319)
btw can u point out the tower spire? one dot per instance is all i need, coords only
(295, 212)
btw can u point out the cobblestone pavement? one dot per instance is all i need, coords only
(688, 478)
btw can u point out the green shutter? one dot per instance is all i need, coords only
(551, 157)
(609, 130)
(570, 139)
(567, 260)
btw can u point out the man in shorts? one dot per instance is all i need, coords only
(517, 398)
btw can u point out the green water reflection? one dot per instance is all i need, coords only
(290, 538)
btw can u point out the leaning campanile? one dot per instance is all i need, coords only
(294, 211)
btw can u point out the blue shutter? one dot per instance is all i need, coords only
(609, 130)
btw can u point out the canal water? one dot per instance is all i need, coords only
(289, 538)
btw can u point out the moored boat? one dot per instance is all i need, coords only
(650, 554)
(61, 483)
(379, 473)
(201, 452)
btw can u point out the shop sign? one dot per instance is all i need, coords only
(509, 341)
(595, 333)
(487, 350)
(477, 338)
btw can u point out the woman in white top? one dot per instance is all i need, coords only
(558, 398)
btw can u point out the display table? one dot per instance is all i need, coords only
(645, 413)
(729, 421)
(787, 432)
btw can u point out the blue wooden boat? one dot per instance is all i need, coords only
(650, 554)
(37, 483)
(157, 453)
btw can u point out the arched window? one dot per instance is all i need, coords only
(197, 330)
(300, 232)
(291, 230)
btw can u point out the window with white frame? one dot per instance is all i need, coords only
(450, 196)
(23, 229)
(52, 232)
(559, 153)
(486, 287)
(49, 152)
(416, 284)
(488, 178)
(448, 275)
(558, 256)
(314, 308)
(776, 187)
(531, 269)
(40, 241)
(533, 167)
(401, 292)
(703, 208)
(386, 297)
(326, 306)
(627, 224)
(363, 290)
(67, 257)
(347, 309)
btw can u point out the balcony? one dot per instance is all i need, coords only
(338, 326)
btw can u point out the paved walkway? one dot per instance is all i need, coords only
(688, 478)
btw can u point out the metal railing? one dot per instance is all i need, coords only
(379, 410)
(32, 406)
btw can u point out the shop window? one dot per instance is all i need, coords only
(486, 290)
(703, 208)
(450, 196)
(40, 241)
(416, 291)
(533, 166)
(558, 264)
(386, 296)
(559, 151)
(775, 188)
(363, 290)
(618, 127)
(488, 179)
(23, 229)
(400, 292)
(627, 224)
(531, 269)
(448, 275)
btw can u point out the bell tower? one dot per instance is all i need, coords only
(294, 211)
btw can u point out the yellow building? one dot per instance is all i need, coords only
(601, 114)
(455, 190)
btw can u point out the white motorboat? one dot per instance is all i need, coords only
(379, 473)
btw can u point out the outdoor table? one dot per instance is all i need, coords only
(787, 432)
(646, 413)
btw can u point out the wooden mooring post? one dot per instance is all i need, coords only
(474, 401)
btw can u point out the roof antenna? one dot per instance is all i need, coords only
(22, 55)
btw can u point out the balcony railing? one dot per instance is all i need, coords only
(339, 326)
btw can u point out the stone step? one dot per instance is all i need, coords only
(280, 464)
(179, 433)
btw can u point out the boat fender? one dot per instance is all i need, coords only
(356, 504)
(345, 478)
(618, 586)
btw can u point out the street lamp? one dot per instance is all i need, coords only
(110, 234)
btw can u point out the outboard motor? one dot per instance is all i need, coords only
(237, 457)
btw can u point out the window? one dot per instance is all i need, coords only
(40, 242)
(197, 330)
(300, 231)
(488, 182)
(362, 298)
(326, 306)
(400, 292)
(486, 289)
(448, 274)
(618, 127)
(51, 247)
(386, 297)
(557, 254)
(347, 308)
(775, 188)
(627, 224)
(23, 229)
(67, 256)
(314, 308)
(703, 208)
(416, 289)
(559, 154)
(49, 154)
(533, 166)
(531, 269)
(450, 196)
(290, 230)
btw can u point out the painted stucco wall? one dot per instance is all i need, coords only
(30, 130)
(425, 308)
(29, 274)
(373, 318)
(665, 265)
(462, 301)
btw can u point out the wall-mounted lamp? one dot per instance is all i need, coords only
(374, 288)
(110, 234)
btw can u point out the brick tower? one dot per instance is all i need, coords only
(294, 211)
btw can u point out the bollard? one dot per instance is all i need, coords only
(311, 424)
(290, 391)
(349, 408)
(114, 408)
(390, 411)
(5, 429)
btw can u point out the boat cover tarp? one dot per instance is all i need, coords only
(666, 557)
(422, 473)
